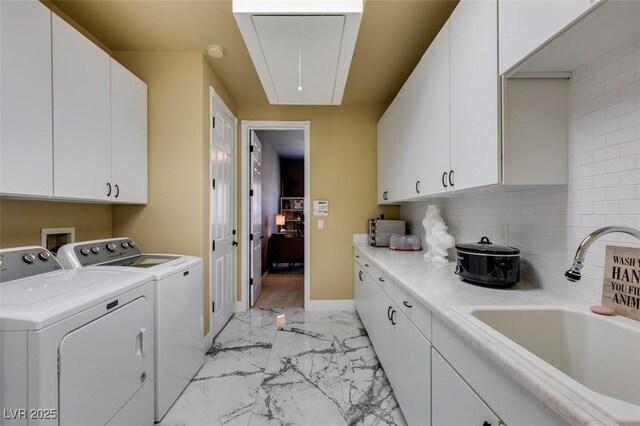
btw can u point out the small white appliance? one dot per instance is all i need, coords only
(179, 317)
(381, 230)
(75, 346)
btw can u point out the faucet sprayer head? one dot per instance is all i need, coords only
(573, 274)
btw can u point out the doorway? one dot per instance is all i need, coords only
(275, 259)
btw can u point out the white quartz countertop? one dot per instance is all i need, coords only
(437, 286)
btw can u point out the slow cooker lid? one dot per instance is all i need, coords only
(484, 246)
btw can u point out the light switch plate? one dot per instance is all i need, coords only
(320, 224)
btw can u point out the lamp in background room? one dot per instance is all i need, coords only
(280, 221)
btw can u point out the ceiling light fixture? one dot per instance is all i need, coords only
(299, 62)
(215, 51)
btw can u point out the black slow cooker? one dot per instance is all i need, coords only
(487, 263)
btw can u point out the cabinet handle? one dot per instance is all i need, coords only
(117, 190)
(393, 320)
(366, 264)
(360, 275)
(381, 279)
(486, 423)
(451, 179)
(418, 186)
(389, 313)
(357, 256)
(405, 303)
(108, 189)
(444, 175)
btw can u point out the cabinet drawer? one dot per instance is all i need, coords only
(358, 257)
(417, 313)
(383, 280)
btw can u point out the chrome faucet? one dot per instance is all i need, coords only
(573, 274)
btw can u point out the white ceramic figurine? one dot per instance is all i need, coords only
(431, 216)
(439, 242)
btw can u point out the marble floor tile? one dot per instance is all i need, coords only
(317, 368)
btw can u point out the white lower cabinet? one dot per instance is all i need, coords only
(403, 351)
(412, 372)
(454, 402)
(440, 380)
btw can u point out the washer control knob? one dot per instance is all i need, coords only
(44, 255)
(85, 251)
(95, 250)
(29, 258)
(111, 247)
(132, 244)
(125, 245)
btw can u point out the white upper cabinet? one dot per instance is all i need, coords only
(526, 25)
(128, 136)
(81, 116)
(475, 147)
(25, 88)
(413, 134)
(430, 144)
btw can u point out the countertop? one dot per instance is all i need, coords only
(443, 292)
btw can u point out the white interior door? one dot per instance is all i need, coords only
(256, 218)
(222, 210)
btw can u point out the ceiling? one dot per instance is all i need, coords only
(286, 143)
(393, 36)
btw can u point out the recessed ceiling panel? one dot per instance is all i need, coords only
(301, 52)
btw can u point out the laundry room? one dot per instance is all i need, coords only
(322, 212)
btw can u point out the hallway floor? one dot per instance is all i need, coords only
(289, 366)
(282, 288)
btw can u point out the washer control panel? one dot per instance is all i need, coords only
(26, 262)
(104, 251)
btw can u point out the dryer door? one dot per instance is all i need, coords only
(103, 364)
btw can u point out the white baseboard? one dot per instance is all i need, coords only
(330, 305)
(207, 341)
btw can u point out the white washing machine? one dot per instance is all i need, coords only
(75, 346)
(179, 318)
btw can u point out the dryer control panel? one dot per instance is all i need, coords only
(23, 262)
(95, 252)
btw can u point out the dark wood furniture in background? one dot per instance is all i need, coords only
(285, 249)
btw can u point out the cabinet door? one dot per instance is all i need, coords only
(412, 375)
(26, 140)
(525, 25)
(431, 155)
(128, 136)
(390, 142)
(454, 403)
(81, 109)
(475, 144)
(383, 329)
(360, 291)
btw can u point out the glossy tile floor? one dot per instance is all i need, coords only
(289, 367)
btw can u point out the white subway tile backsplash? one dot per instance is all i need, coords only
(548, 223)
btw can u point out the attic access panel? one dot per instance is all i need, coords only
(301, 51)
(314, 38)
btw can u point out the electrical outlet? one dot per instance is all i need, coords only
(503, 232)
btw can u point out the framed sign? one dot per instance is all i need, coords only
(621, 289)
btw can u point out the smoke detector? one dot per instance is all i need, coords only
(215, 51)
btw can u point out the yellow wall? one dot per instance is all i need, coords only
(175, 220)
(21, 221)
(343, 171)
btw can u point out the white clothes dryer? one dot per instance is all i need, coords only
(179, 317)
(75, 346)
